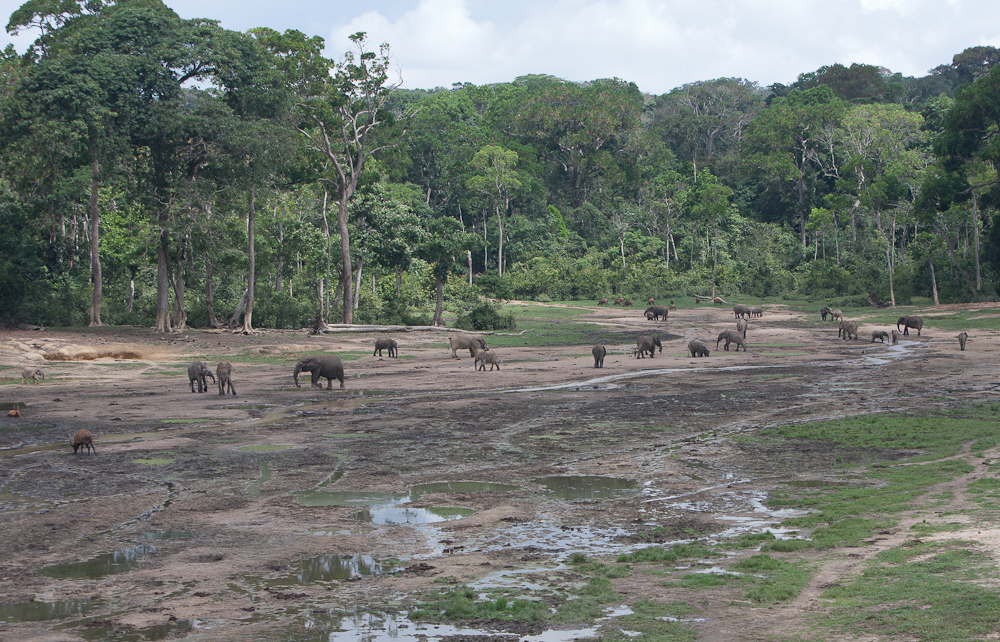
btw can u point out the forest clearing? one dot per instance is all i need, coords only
(809, 488)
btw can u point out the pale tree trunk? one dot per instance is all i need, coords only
(281, 258)
(234, 320)
(500, 245)
(399, 281)
(715, 256)
(131, 295)
(975, 239)
(345, 248)
(95, 255)
(163, 282)
(357, 286)
(469, 253)
(934, 283)
(326, 233)
(213, 322)
(251, 261)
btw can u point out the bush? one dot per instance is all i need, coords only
(486, 316)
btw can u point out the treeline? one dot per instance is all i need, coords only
(169, 172)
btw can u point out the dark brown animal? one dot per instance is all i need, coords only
(83, 439)
(650, 301)
(627, 303)
(619, 301)
(385, 343)
(224, 373)
(672, 306)
(602, 302)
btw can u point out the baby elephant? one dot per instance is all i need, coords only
(385, 343)
(486, 356)
(599, 352)
(198, 371)
(224, 371)
(83, 439)
(697, 349)
(32, 375)
(895, 337)
(880, 335)
(962, 338)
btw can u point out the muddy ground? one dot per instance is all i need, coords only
(214, 540)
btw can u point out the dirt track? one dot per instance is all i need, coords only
(219, 523)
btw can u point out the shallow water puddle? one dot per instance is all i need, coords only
(408, 515)
(145, 634)
(324, 568)
(121, 561)
(577, 487)
(366, 627)
(253, 490)
(44, 611)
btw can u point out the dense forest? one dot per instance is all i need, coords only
(169, 173)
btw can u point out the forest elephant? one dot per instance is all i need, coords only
(895, 337)
(756, 313)
(83, 439)
(741, 311)
(741, 326)
(31, 375)
(326, 365)
(385, 343)
(224, 372)
(697, 349)
(485, 356)
(599, 353)
(880, 335)
(646, 343)
(733, 337)
(656, 312)
(722, 335)
(473, 343)
(836, 314)
(962, 338)
(824, 311)
(848, 329)
(198, 371)
(910, 322)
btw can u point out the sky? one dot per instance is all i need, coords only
(657, 44)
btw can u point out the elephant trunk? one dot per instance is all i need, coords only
(295, 375)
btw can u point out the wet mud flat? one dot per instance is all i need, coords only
(288, 513)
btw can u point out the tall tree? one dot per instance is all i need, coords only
(497, 179)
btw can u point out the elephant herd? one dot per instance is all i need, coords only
(849, 329)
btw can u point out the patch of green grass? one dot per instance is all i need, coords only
(185, 421)
(554, 332)
(463, 604)
(703, 580)
(752, 540)
(925, 591)
(771, 580)
(786, 546)
(672, 554)
(653, 622)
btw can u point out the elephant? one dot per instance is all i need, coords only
(697, 348)
(224, 371)
(895, 337)
(756, 313)
(962, 338)
(836, 314)
(602, 302)
(722, 335)
(198, 371)
(741, 326)
(824, 311)
(646, 343)
(485, 356)
(740, 310)
(326, 365)
(848, 328)
(599, 352)
(656, 312)
(32, 375)
(385, 343)
(910, 322)
(471, 342)
(879, 335)
(732, 337)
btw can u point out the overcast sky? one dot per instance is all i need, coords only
(658, 44)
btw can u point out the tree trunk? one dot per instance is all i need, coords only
(131, 295)
(251, 261)
(281, 258)
(715, 255)
(399, 278)
(163, 282)
(800, 184)
(500, 245)
(213, 322)
(934, 283)
(234, 320)
(439, 305)
(469, 252)
(975, 239)
(95, 255)
(357, 286)
(345, 249)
